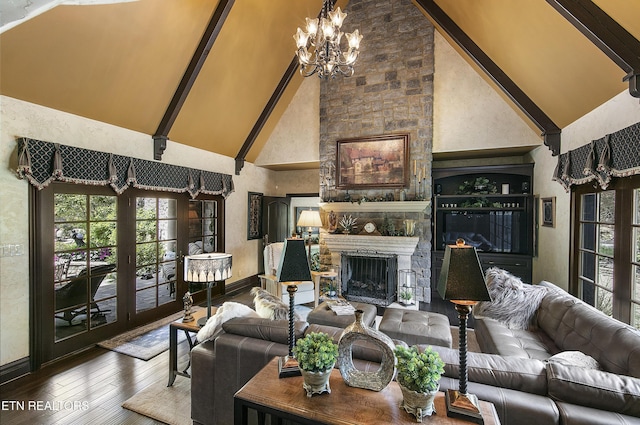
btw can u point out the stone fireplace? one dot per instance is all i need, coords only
(391, 92)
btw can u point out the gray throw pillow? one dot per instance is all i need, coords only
(513, 303)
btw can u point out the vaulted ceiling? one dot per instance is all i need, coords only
(131, 63)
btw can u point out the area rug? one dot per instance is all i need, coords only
(145, 342)
(171, 405)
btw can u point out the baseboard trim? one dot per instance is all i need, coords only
(241, 285)
(14, 369)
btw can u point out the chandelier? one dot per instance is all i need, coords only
(323, 38)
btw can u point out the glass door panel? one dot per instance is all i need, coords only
(156, 252)
(85, 263)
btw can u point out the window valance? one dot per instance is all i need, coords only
(43, 162)
(615, 155)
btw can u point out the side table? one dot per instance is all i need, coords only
(286, 399)
(188, 328)
(317, 278)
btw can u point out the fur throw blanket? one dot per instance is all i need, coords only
(514, 303)
(226, 311)
(269, 306)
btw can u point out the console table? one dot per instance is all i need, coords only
(286, 399)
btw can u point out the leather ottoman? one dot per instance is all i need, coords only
(323, 315)
(416, 327)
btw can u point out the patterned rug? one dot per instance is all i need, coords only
(145, 342)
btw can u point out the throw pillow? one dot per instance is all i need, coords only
(270, 307)
(575, 358)
(513, 303)
(226, 311)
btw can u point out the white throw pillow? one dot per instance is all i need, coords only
(226, 311)
(575, 358)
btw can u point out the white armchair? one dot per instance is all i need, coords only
(306, 291)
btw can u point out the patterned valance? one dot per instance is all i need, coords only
(43, 162)
(615, 155)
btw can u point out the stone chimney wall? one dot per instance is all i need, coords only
(390, 92)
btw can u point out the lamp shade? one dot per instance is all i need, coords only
(211, 267)
(462, 278)
(309, 218)
(294, 266)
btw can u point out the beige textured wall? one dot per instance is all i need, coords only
(552, 263)
(468, 114)
(22, 119)
(297, 133)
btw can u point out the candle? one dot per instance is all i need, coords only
(414, 167)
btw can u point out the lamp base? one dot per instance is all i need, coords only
(463, 406)
(288, 366)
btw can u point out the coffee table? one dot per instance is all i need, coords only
(188, 328)
(286, 399)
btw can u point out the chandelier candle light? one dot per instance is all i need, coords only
(323, 36)
(207, 268)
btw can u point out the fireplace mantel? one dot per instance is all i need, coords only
(389, 206)
(400, 245)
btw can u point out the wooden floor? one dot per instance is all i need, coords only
(99, 378)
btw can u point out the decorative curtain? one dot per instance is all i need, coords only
(43, 162)
(615, 155)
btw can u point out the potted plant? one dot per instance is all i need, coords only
(419, 379)
(316, 354)
(406, 296)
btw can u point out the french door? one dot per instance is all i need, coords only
(105, 263)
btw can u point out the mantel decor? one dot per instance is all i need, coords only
(373, 162)
(43, 162)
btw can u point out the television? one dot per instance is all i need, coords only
(498, 231)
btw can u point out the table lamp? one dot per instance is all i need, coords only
(293, 269)
(207, 268)
(309, 219)
(462, 282)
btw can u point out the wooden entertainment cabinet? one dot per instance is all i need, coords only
(492, 207)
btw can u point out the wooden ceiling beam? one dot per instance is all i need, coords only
(266, 112)
(191, 73)
(607, 34)
(550, 131)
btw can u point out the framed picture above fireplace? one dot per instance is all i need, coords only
(373, 162)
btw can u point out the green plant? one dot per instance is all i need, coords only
(348, 224)
(316, 352)
(406, 295)
(419, 371)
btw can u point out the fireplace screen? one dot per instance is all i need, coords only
(369, 278)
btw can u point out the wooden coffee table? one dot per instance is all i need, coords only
(286, 399)
(188, 328)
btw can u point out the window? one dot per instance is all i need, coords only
(606, 266)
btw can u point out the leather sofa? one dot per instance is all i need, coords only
(517, 370)
(514, 372)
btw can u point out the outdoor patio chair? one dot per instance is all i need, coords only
(74, 293)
